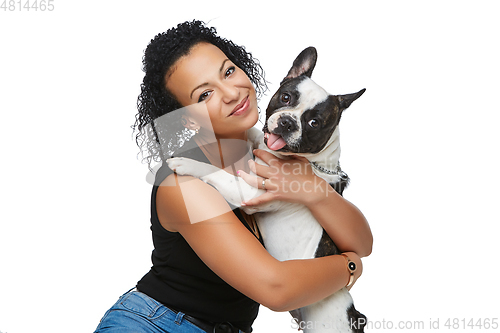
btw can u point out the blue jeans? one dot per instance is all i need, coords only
(135, 312)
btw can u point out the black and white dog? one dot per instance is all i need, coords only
(301, 119)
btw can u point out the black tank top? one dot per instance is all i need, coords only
(179, 279)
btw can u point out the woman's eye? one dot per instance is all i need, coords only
(313, 123)
(230, 71)
(203, 96)
(285, 98)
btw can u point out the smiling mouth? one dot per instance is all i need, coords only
(241, 108)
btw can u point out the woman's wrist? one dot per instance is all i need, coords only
(324, 197)
(316, 193)
(353, 267)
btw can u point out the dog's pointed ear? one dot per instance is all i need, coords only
(346, 100)
(303, 64)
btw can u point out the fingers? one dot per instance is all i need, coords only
(265, 171)
(251, 180)
(288, 179)
(261, 170)
(277, 167)
(256, 181)
(261, 183)
(269, 157)
(300, 158)
(273, 167)
(266, 197)
(264, 155)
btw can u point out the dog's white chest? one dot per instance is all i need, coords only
(290, 233)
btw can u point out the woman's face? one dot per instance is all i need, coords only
(220, 96)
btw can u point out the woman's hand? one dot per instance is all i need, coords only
(291, 180)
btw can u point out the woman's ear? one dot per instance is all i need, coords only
(190, 123)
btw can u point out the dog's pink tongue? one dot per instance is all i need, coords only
(275, 142)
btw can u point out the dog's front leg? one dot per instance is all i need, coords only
(234, 189)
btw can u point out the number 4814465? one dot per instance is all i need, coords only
(481, 323)
(27, 5)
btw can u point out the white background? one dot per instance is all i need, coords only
(420, 146)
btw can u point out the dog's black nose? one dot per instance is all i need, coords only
(285, 124)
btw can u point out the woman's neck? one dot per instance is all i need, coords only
(225, 153)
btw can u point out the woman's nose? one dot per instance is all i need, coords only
(230, 93)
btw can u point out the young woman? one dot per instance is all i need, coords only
(210, 269)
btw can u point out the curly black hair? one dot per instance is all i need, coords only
(156, 101)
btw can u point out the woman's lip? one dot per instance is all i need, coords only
(241, 108)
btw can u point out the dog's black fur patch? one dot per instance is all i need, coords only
(354, 316)
(326, 246)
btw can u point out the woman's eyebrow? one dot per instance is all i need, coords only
(206, 83)
(222, 66)
(192, 92)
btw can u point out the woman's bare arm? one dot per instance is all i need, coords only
(197, 211)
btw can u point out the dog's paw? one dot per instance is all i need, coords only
(185, 166)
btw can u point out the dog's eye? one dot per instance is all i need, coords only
(313, 123)
(285, 98)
